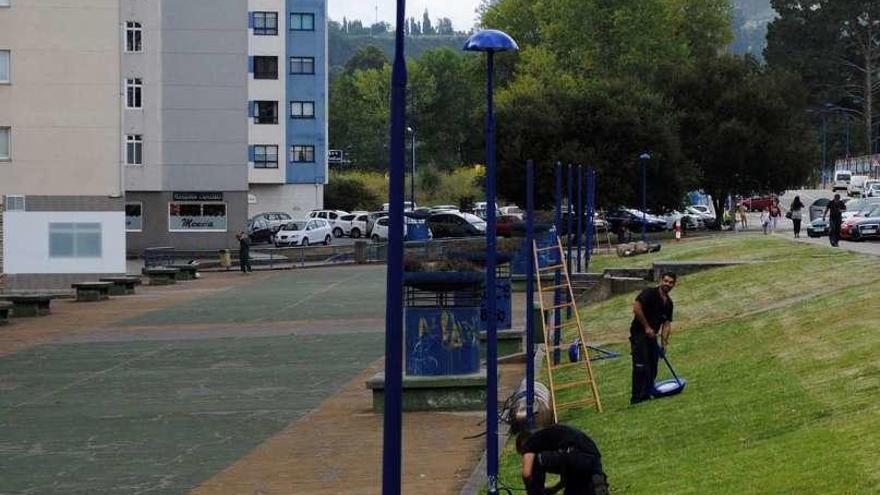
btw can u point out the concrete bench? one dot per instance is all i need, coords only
(5, 309)
(24, 306)
(161, 275)
(122, 286)
(92, 291)
(187, 271)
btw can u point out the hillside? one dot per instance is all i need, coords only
(343, 46)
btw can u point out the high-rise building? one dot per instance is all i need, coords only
(60, 172)
(287, 105)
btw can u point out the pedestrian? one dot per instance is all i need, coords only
(796, 212)
(244, 253)
(743, 216)
(652, 316)
(765, 221)
(834, 210)
(565, 451)
(775, 215)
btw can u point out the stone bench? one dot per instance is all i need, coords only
(122, 286)
(161, 275)
(24, 306)
(186, 271)
(92, 291)
(5, 309)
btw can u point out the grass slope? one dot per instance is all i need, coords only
(782, 359)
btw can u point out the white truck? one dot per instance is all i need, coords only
(841, 180)
(857, 185)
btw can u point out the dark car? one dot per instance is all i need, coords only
(505, 225)
(627, 219)
(455, 224)
(861, 227)
(261, 230)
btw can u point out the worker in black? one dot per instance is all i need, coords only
(565, 451)
(835, 207)
(652, 316)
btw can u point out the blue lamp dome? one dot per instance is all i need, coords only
(490, 40)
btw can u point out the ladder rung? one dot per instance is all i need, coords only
(566, 365)
(557, 306)
(576, 403)
(550, 248)
(554, 287)
(572, 323)
(566, 386)
(551, 267)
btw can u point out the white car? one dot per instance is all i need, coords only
(332, 217)
(304, 233)
(407, 206)
(357, 226)
(872, 188)
(512, 210)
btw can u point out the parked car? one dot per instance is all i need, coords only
(371, 220)
(841, 180)
(632, 220)
(274, 218)
(512, 210)
(858, 207)
(705, 213)
(505, 225)
(260, 230)
(758, 203)
(439, 208)
(859, 228)
(818, 227)
(415, 228)
(357, 227)
(332, 217)
(817, 208)
(686, 220)
(872, 189)
(857, 185)
(456, 224)
(481, 208)
(407, 206)
(304, 233)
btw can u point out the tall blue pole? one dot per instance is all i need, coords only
(530, 293)
(393, 415)
(580, 214)
(569, 229)
(557, 294)
(591, 180)
(491, 317)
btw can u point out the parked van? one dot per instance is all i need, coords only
(841, 180)
(857, 185)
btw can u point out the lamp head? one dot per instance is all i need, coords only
(644, 156)
(490, 40)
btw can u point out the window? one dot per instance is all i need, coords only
(265, 156)
(134, 217)
(265, 67)
(134, 93)
(266, 23)
(5, 143)
(4, 66)
(4, 3)
(15, 202)
(302, 154)
(74, 240)
(302, 65)
(302, 22)
(265, 112)
(189, 216)
(134, 149)
(133, 37)
(302, 109)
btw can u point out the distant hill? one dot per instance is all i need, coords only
(750, 20)
(342, 46)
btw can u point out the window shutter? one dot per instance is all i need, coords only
(250, 65)
(250, 20)
(252, 109)
(252, 153)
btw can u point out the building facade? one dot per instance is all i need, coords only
(184, 131)
(287, 105)
(61, 182)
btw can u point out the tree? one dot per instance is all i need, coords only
(367, 57)
(743, 126)
(427, 28)
(348, 194)
(444, 26)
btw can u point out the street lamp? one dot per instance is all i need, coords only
(412, 184)
(491, 41)
(644, 158)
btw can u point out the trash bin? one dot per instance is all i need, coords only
(360, 252)
(225, 258)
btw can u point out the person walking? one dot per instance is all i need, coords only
(743, 216)
(775, 215)
(834, 210)
(765, 221)
(244, 253)
(652, 316)
(562, 450)
(796, 212)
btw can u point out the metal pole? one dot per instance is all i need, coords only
(580, 213)
(491, 317)
(393, 415)
(530, 293)
(644, 198)
(590, 223)
(824, 149)
(412, 185)
(557, 293)
(570, 227)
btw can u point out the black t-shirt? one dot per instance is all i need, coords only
(836, 208)
(656, 311)
(560, 437)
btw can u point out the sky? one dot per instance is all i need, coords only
(462, 12)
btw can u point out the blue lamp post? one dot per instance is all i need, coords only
(491, 41)
(644, 158)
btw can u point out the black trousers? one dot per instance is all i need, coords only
(245, 263)
(797, 226)
(834, 231)
(645, 357)
(580, 471)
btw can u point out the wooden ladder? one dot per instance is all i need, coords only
(584, 370)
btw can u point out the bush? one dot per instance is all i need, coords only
(349, 194)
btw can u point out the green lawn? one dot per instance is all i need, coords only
(783, 362)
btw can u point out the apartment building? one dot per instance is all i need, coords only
(61, 191)
(185, 128)
(287, 105)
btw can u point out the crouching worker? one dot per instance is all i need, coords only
(565, 451)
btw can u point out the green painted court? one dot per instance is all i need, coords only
(160, 415)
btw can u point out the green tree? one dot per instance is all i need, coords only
(367, 57)
(348, 194)
(427, 28)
